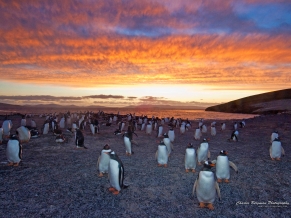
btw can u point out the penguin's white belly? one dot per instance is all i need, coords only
(222, 167)
(202, 152)
(197, 134)
(13, 151)
(23, 134)
(23, 122)
(190, 158)
(62, 123)
(162, 155)
(168, 145)
(160, 131)
(205, 189)
(276, 150)
(92, 128)
(115, 175)
(6, 127)
(127, 143)
(204, 129)
(1, 134)
(213, 131)
(182, 129)
(171, 135)
(46, 128)
(104, 162)
(149, 129)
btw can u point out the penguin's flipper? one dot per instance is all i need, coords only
(156, 155)
(172, 146)
(208, 154)
(270, 151)
(194, 187)
(98, 161)
(233, 165)
(218, 190)
(283, 151)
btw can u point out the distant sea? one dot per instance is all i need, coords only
(176, 113)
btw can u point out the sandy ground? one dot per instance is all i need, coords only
(58, 180)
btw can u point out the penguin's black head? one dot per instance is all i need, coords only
(106, 147)
(223, 153)
(208, 164)
(166, 135)
(162, 143)
(190, 145)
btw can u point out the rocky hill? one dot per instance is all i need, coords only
(266, 103)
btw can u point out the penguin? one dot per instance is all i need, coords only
(60, 138)
(79, 139)
(103, 160)
(204, 128)
(162, 155)
(62, 123)
(182, 128)
(33, 123)
(190, 158)
(127, 143)
(149, 128)
(197, 134)
(168, 143)
(14, 151)
(222, 165)
(206, 187)
(223, 126)
(45, 128)
(1, 135)
(24, 134)
(203, 152)
(242, 124)
(160, 131)
(274, 135)
(235, 126)
(234, 136)
(116, 174)
(6, 125)
(213, 130)
(276, 150)
(23, 121)
(171, 134)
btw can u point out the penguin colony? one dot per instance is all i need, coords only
(208, 178)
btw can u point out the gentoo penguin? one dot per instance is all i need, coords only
(242, 124)
(46, 127)
(162, 155)
(213, 129)
(79, 139)
(203, 152)
(149, 128)
(127, 143)
(234, 136)
(160, 131)
(276, 150)
(222, 126)
(103, 160)
(274, 135)
(6, 125)
(235, 126)
(14, 151)
(222, 167)
(171, 134)
(1, 135)
(197, 133)
(24, 134)
(168, 143)
(204, 128)
(23, 121)
(62, 123)
(60, 138)
(183, 128)
(116, 174)
(190, 158)
(33, 123)
(206, 187)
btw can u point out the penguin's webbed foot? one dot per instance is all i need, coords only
(202, 205)
(100, 175)
(111, 189)
(210, 207)
(193, 170)
(273, 158)
(187, 171)
(16, 164)
(219, 180)
(159, 165)
(10, 164)
(165, 165)
(226, 181)
(115, 192)
(278, 159)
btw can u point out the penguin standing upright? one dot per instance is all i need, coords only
(103, 160)
(183, 128)
(222, 167)
(23, 121)
(24, 134)
(162, 155)
(149, 128)
(203, 152)
(204, 128)
(206, 187)
(171, 134)
(190, 158)
(116, 174)
(197, 133)
(234, 136)
(14, 151)
(7, 126)
(79, 139)
(127, 143)
(168, 143)
(223, 126)
(213, 129)
(276, 150)
(160, 131)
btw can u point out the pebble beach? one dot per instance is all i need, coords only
(58, 180)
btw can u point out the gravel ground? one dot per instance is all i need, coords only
(58, 180)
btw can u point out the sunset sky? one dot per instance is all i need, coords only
(126, 52)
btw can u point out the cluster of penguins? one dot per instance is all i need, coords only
(109, 163)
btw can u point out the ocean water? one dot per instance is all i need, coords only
(180, 113)
(183, 114)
